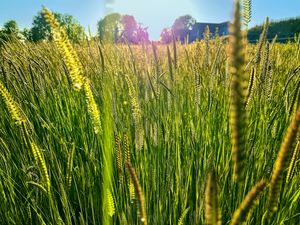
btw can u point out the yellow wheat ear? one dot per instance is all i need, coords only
(65, 48)
(39, 158)
(11, 105)
(110, 204)
(131, 190)
(183, 216)
(74, 66)
(138, 190)
(17, 116)
(212, 211)
(136, 111)
(293, 162)
(119, 157)
(92, 107)
(237, 93)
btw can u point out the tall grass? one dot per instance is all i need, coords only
(164, 110)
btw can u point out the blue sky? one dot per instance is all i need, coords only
(155, 14)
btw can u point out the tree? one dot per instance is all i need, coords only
(182, 27)
(166, 36)
(122, 29)
(129, 27)
(10, 29)
(142, 35)
(26, 34)
(41, 30)
(132, 32)
(109, 26)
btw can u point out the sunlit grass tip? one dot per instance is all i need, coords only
(66, 50)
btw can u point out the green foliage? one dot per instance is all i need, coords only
(40, 29)
(284, 29)
(108, 27)
(10, 30)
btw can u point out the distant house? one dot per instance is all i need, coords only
(198, 29)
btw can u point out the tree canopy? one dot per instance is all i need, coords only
(10, 28)
(109, 26)
(122, 29)
(129, 27)
(182, 26)
(166, 36)
(117, 28)
(40, 29)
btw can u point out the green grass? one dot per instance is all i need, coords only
(184, 119)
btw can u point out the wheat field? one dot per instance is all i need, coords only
(202, 133)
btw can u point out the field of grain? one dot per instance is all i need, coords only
(149, 134)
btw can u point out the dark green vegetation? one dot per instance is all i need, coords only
(284, 29)
(40, 30)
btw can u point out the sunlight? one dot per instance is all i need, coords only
(156, 14)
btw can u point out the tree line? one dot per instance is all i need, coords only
(124, 28)
(284, 29)
(117, 28)
(40, 30)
